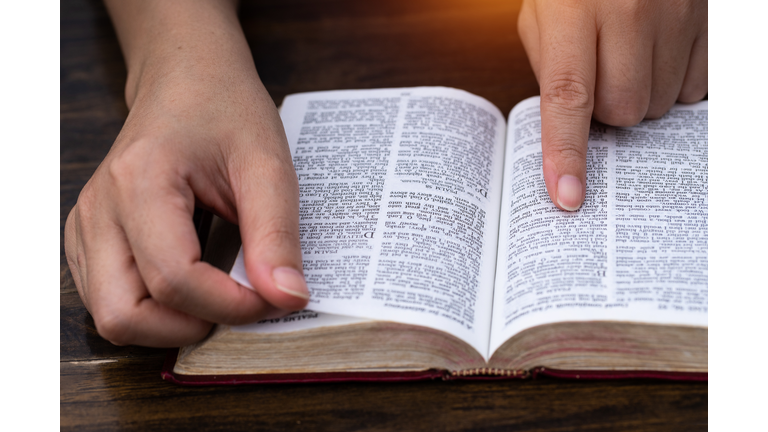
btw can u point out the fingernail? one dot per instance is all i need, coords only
(291, 281)
(569, 192)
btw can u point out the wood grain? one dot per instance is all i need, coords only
(306, 45)
(128, 394)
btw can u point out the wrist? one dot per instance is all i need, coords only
(193, 44)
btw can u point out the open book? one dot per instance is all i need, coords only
(430, 244)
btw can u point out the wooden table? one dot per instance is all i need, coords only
(305, 45)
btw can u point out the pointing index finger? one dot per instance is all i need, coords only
(568, 58)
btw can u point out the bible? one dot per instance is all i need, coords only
(432, 250)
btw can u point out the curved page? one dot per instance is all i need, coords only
(400, 192)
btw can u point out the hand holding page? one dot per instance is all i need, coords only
(400, 194)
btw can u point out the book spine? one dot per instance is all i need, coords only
(489, 372)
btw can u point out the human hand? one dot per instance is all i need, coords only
(201, 130)
(619, 61)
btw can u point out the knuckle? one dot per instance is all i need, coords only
(122, 168)
(115, 325)
(165, 287)
(280, 230)
(566, 149)
(135, 161)
(568, 91)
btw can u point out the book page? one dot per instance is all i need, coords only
(637, 248)
(400, 193)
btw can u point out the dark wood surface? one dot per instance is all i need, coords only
(305, 45)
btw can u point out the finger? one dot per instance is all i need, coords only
(695, 84)
(167, 252)
(624, 69)
(122, 309)
(268, 213)
(528, 30)
(568, 54)
(671, 58)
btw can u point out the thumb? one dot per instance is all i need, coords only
(568, 64)
(267, 199)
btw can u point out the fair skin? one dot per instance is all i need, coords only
(203, 131)
(619, 61)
